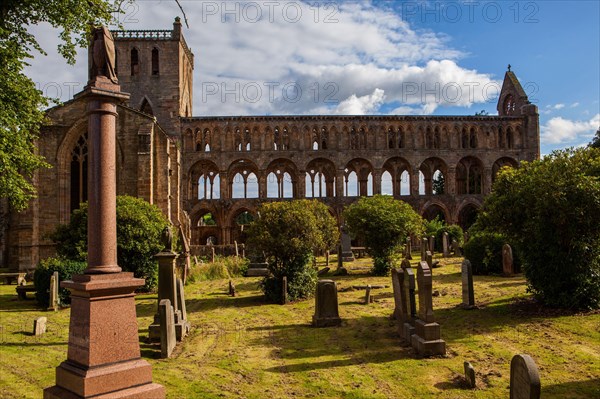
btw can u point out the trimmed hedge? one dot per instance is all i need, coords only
(41, 278)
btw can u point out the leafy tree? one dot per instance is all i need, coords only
(383, 223)
(437, 228)
(550, 210)
(288, 233)
(483, 112)
(21, 104)
(139, 229)
(596, 140)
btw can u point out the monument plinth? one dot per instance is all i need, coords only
(103, 358)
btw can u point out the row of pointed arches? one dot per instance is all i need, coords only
(320, 178)
(316, 138)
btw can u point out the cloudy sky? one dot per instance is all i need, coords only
(374, 57)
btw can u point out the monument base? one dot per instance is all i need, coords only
(103, 359)
(426, 339)
(326, 321)
(407, 332)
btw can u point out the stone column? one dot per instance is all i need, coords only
(103, 357)
(339, 184)
(414, 182)
(487, 181)
(451, 181)
(377, 181)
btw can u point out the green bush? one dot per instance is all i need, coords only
(139, 229)
(484, 251)
(288, 233)
(437, 227)
(221, 268)
(41, 278)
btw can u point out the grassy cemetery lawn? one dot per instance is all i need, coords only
(242, 347)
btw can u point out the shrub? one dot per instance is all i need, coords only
(437, 227)
(383, 223)
(41, 278)
(139, 229)
(288, 233)
(484, 251)
(221, 268)
(550, 209)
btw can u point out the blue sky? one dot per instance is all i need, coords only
(376, 57)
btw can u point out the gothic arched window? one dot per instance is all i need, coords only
(79, 166)
(135, 62)
(155, 64)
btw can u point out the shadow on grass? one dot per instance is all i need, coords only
(575, 390)
(11, 303)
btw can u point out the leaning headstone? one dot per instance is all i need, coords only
(424, 246)
(284, 289)
(39, 326)
(399, 302)
(326, 305)
(181, 305)
(429, 259)
(231, 288)
(408, 249)
(445, 246)
(426, 341)
(408, 328)
(456, 248)
(167, 328)
(368, 296)
(468, 295)
(53, 304)
(524, 378)
(470, 375)
(432, 244)
(508, 267)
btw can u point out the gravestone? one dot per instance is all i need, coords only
(181, 303)
(445, 246)
(231, 288)
(468, 295)
(404, 264)
(323, 271)
(347, 255)
(368, 296)
(429, 259)
(408, 328)
(53, 304)
(424, 246)
(212, 254)
(167, 328)
(326, 305)
(408, 249)
(39, 326)
(508, 267)
(432, 244)
(456, 248)
(470, 375)
(327, 258)
(426, 341)
(524, 378)
(284, 287)
(399, 301)
(237, 250)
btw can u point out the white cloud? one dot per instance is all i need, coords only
(560, 130)
(338, 58)
(574, 105)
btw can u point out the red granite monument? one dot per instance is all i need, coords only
(103, 359)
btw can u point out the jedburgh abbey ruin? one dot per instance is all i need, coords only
(191, 167)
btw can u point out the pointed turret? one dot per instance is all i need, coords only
(512, 96)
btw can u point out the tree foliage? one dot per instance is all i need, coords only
(21, 103)
(139, 229)
(595, 143)
(288, 233)
(550, 210)
(383, 223)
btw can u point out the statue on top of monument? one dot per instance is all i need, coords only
(102, 54)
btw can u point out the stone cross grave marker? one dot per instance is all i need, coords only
(39, 326)
(508, 267)
(445, 246)
(468, 295)
(326, 305)
(524, 378)
(167, 328)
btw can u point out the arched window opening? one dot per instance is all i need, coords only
(370, 185)
(387, 187)
(405, 183)
(247, 139)
(353, 139)
(135, 62)
(509, 138)
(464, 139)
(207, 220)
(285, 139)
(421, 183)
(155, 65)
(209, 186)
(473, 138)
(438, 183)
(206, 140)
(324, 138)
(509, 105)
(400, 138)
(363, 138)
(428, 139)
(146, 108)
(351, 184)
(437, 138)
(469, 177)
(315, 145)
(238, 140)
(79, 166)
(244, 185)
(391, 138)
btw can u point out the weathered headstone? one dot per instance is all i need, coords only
(456, 248)
(368, 296)
(408, 328)
(181, 304)
(408, 249)
(429, 259)
(167, 328)
(347, 255)
(524, 378)
(432, 244)
(284, 288)
(468, 295)
(323, 271)
(424, 246)
(39, 326)
(426, 340)
(231, 288)
(212, 254)
(508, 267)
(237, 250)
(445, 246)
(326, 305)
(470, 375)
(399, 301)
(53, 304)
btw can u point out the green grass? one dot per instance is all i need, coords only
(242, 347)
